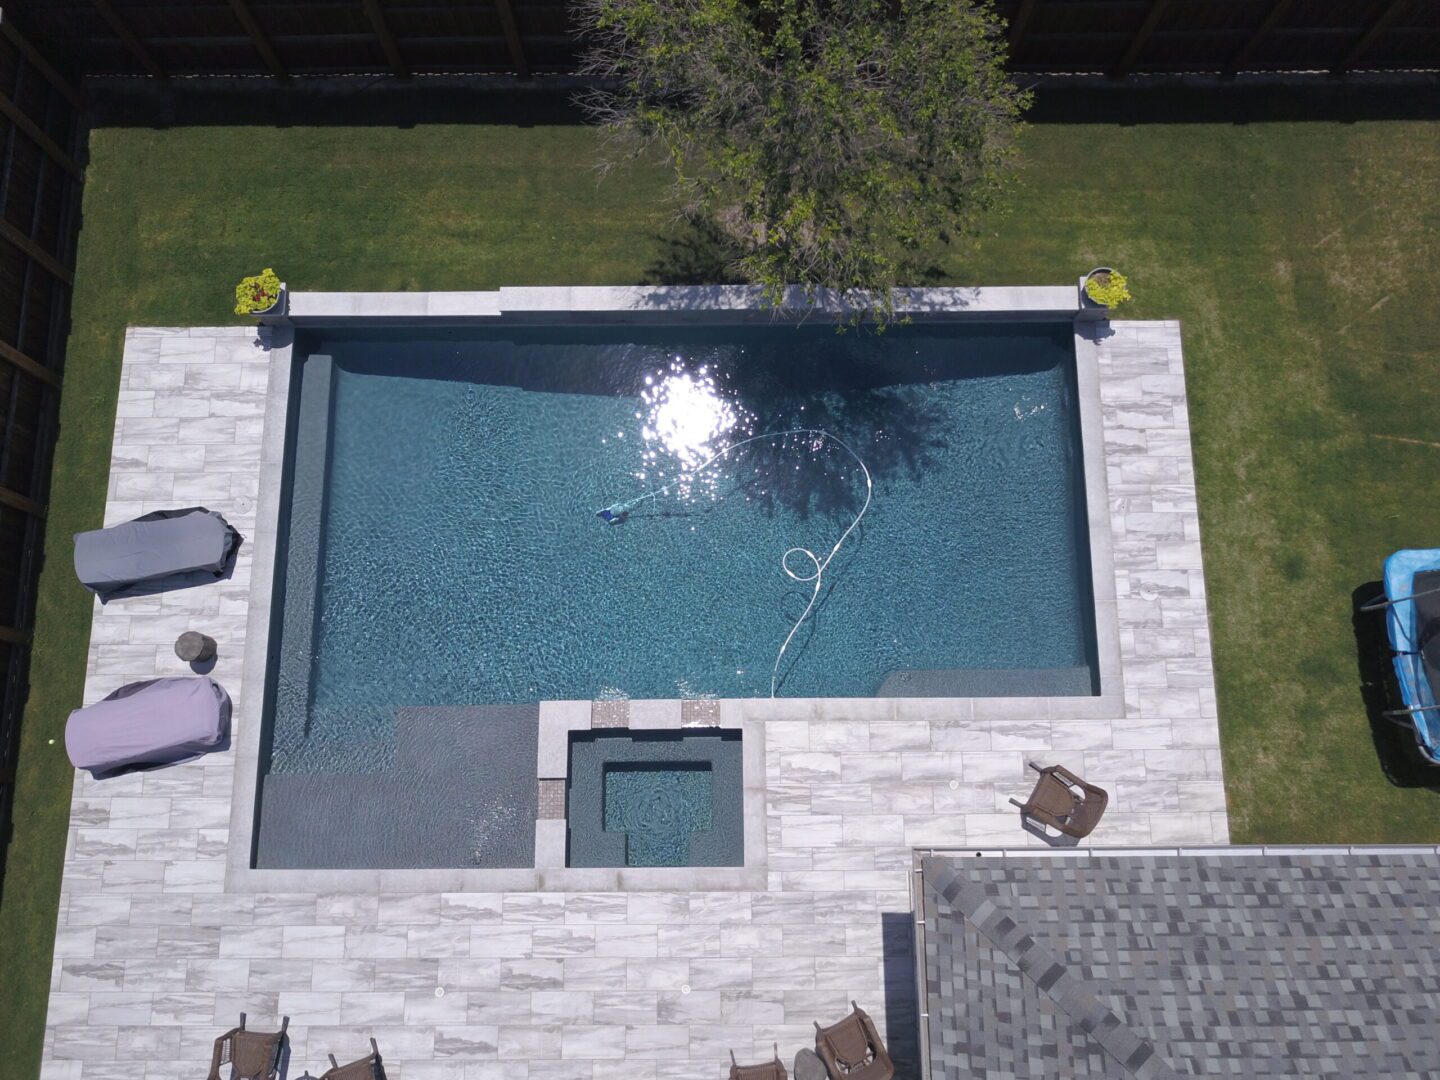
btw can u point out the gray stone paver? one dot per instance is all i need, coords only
(154, 957)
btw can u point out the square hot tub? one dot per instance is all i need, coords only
(655, 798)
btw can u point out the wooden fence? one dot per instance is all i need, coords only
(39, 200)
(280, 38)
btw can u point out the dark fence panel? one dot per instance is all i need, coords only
(321, 37)
(1217, 36)
(39, 201)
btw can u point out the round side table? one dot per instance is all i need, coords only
(194, 647)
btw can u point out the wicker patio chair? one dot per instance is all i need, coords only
(770, 1070)
(251, 1055)
(1065, 801)
(852, 1050)
(367, 1068)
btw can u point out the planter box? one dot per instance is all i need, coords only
(1089, 309)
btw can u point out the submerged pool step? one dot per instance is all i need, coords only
(990, 682)
(459, 791)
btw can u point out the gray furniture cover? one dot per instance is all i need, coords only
(166, 549)
(146, 724)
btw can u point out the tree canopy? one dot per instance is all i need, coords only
(832, 144)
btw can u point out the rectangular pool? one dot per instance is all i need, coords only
(440, 547)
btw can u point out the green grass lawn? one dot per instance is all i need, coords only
(1303, 258)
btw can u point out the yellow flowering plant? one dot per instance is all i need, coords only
(1109, 288)
(257, 292)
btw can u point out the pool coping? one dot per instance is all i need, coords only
(599, 305)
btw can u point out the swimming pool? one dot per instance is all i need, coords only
(440, 545)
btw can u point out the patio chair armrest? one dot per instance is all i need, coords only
(1065, 774)
(218, 1054)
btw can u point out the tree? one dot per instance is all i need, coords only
(831, 144)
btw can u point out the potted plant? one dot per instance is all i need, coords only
(260, 294)
(1103, 288)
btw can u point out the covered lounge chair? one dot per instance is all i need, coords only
(169, 549)
(852, 1050)
(367, 1068)
(1412, 623)
(769, 1070)
(250, 1055)
(148, 724)
(1062, 800)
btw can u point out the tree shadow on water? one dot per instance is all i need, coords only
(891, 430)
(1395, 748)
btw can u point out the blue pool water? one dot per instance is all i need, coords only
(658, 808)
(655, 798)
(461, 562)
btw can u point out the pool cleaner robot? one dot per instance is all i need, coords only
(617, 512)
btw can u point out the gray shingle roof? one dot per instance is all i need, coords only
(1153, 966)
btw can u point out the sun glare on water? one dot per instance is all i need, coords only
(685, 421)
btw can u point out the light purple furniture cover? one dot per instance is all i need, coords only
(144, 724)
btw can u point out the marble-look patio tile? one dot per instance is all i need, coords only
(342, 975)
(689, 941)
(186, 1008)
(446, 940)
(563, 941)
(583, 1041)
(211, 976)
(369, 1008)
(470, 908)
(850, 785)
(308, 1007)
(273, 975)
(87, 1044)
(154, 976)
(539, 974)
(373, 941)
(719, 973)
(656, 974)
(657, 907)
(529, 1043)
(66, 1009)
(619, 1008)
(657, 1041)
(627, 940)
(396, 974)
(423, 1007)
(498, 1007)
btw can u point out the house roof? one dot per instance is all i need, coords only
(1245, 962)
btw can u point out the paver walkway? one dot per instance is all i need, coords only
(154, 958)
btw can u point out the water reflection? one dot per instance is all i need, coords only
(686, 419)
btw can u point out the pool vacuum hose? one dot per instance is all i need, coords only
(617, 512)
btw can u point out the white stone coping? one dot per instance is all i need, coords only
(634, 303)
(581, 304)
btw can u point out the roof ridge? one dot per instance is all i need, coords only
(1039, 964)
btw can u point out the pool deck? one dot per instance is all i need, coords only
(158, 949)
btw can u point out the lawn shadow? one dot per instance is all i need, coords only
(1220, 101)
(354, 101)
(1399, 759)
(692, 252)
